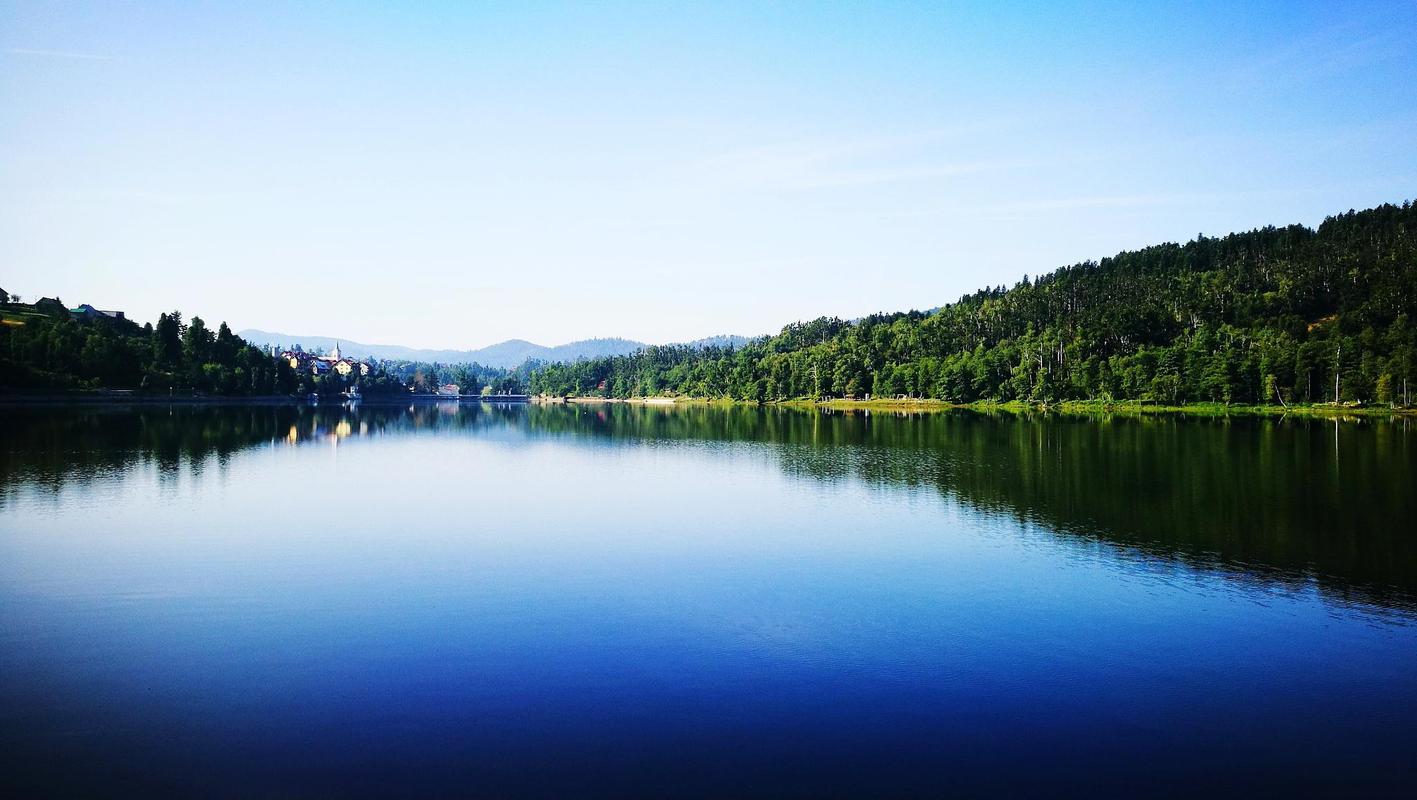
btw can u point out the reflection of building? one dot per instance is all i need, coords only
(325, 428)
(320, 365)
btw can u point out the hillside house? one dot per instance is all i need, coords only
(320, 365)
(88, 312)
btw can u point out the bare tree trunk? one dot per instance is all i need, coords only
(1337, 369)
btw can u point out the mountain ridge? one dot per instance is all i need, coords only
(505, 354)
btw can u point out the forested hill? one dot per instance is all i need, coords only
(1273, 315)
(46, 346)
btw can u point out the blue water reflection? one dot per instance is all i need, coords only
(563, 600)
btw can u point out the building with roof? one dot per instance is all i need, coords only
(319, 365)
(88, 312)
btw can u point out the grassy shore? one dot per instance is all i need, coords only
(1126, 407)
(1068, 407)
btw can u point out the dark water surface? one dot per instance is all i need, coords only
(556, 601)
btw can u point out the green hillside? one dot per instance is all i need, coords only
(1273, 315)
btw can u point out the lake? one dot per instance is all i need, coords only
(610, 600)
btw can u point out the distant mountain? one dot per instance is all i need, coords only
(506, 355)
(724, 340)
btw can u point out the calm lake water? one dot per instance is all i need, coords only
(622, 600)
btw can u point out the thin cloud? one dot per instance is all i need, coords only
(22, 51)
(1096, 201)
(816, 164)
(1033, 208)
(924, 172)
(1338, 51)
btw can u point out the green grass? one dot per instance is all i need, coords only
(1136, 407)
(1122, 407)
(13, 317)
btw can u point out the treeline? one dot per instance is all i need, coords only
(471, 379)
(376, 384)
(45, 346)
(1276, 315)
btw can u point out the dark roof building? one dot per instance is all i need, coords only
(86, 311)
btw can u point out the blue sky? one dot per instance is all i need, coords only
(453, 175)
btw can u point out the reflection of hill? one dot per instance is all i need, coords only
(1259, 499)
(51, 447)
(1282, 501)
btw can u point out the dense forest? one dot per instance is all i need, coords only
(46, 346)
(1272, 316)
(472, 379)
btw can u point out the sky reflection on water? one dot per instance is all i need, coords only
(701, 601)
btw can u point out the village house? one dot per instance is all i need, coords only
(320, 365)
(88, 312)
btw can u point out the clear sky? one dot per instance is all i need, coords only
(455, 174)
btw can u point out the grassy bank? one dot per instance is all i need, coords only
(1124, 407)
(1067, 407)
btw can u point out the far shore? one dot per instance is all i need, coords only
(119, 398)
(909, 405)
(1327, 410)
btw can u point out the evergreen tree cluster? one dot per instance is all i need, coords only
(1275, 315)
(424, 377)
(44, 346)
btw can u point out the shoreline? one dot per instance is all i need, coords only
(102, 398)
(1095, 407)
(1080, 407)
(910, 406)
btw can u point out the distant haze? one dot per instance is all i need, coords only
(506, 355)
